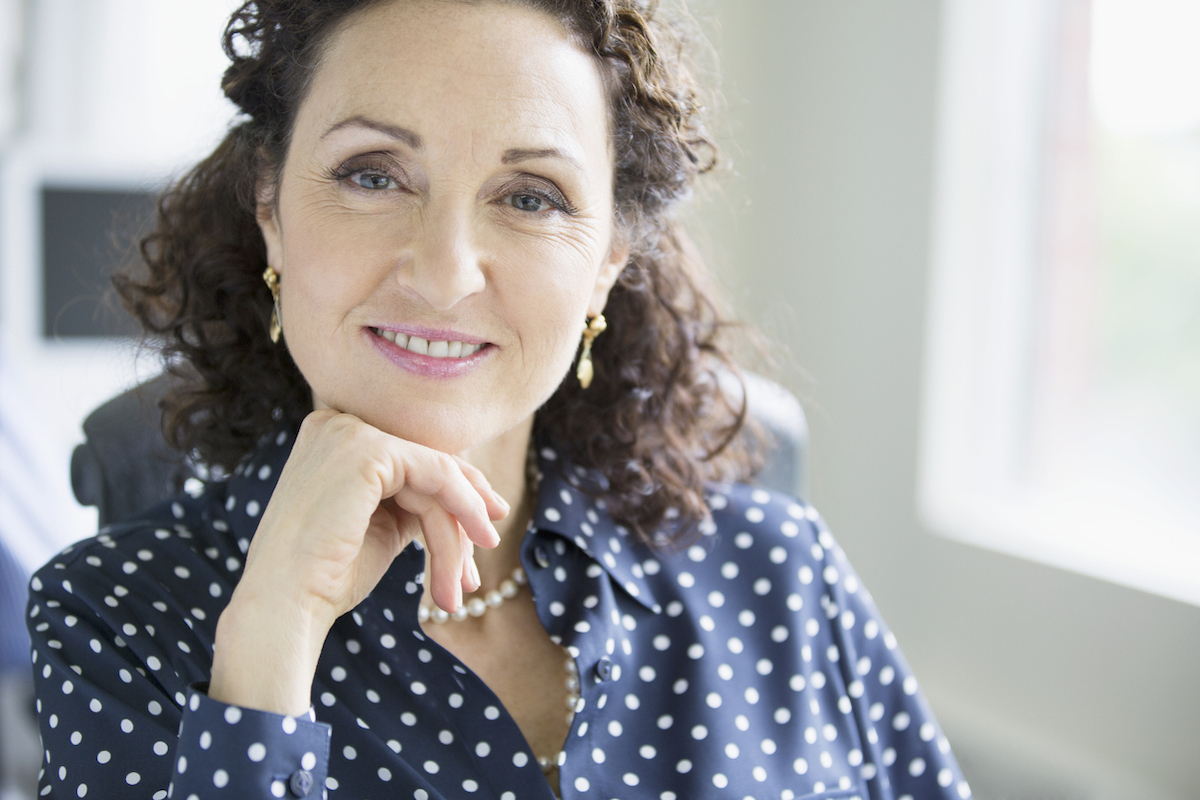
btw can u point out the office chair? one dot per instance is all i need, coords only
(124, 465)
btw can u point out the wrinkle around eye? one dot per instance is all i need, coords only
(582, 239)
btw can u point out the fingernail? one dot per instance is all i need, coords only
(475, 573)
(501, 500)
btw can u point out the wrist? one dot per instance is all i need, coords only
(265, 655)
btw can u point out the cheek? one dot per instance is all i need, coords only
(332, 263)
(547, 290)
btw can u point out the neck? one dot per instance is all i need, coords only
(502, 461)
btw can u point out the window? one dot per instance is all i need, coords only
(1062, 409)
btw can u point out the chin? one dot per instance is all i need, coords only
(445, 428)
(453, 423)
(451, 442)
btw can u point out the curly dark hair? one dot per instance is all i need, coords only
(656, 422)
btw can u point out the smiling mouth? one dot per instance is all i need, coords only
(425, 347)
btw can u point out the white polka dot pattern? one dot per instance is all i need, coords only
(751, 661)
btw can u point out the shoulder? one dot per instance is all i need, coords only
(751, 518)
(755, 529)
(178, 554)
(191, 544)
(760, 550)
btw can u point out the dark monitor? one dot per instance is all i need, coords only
(86, 234)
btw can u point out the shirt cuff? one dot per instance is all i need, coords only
(228, 751)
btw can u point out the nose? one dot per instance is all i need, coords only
(443, 263)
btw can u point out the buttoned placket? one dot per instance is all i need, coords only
(592, 605)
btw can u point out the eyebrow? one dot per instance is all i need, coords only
(517, 155)
(513, 155)
(410, 138)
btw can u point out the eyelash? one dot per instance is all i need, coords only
(556, 200)
(382, 168)
(374, 166)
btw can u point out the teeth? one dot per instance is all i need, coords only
(425, 347)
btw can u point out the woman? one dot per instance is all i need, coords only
(444, 200)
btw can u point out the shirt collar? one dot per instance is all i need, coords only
(565, 508)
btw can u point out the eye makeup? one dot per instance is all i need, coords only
(541, 188)
(381, 164)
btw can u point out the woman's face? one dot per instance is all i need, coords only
(448, 182)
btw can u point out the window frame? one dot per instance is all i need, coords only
(980, 357)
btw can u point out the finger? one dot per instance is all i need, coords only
(407, 524)
(439, 477)
(497, 506)
(470, 577)
(443, 543)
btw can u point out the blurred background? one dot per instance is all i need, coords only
(972, 229)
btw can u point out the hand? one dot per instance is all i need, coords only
(349, 499)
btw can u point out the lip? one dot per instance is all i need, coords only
(433, 334)
(429, 366)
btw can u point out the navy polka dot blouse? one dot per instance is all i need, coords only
(751, 664)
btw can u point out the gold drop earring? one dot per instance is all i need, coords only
(272, 279)
(586, 371)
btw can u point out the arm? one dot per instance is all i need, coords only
(117, 700)
(112, 651)
(904, 750)
(349, 499)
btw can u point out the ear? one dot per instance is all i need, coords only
(266, 214)
(610, 270)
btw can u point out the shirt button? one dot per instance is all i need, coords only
(604, 668)
(542, 556)
(301, 783)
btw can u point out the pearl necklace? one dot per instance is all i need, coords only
(476, 607)
(551, 763)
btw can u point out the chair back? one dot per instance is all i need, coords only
(124, 465)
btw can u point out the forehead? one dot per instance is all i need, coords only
(499, 70)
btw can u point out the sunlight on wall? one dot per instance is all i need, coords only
(1062, 418)
(1145, 65)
